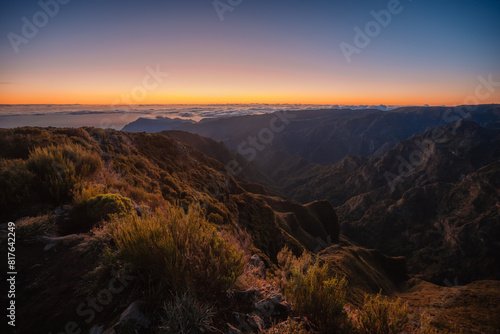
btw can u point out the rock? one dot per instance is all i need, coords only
(67, 239)
(232, 330)
(256, 262)
(134, 313)
(241, 319)
(255, 322)
(110, 331)
(131, 320)
(141, 209)
(96, 329)
(61, 214)
(272, 306)
(247, 295)
(59, 211)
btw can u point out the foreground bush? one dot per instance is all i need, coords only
(59, 169)
(380, 316)
(177, 250)
(185, 315)
(314, 293)
(103, 206)
(15, 182)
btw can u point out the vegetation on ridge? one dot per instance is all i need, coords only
(194, 251)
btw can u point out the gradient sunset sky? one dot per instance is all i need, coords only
(93, 52)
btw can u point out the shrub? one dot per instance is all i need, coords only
(59, 170)
(216, 210)
(15, 181)
(288, 264)
(31, 228)
(86, 192)
(91, 208)
(215, 218)
(380, 316)
(425, 324)
(103, 206)
(313, 293)
(178, 250)
(185, 315)
(290, 326)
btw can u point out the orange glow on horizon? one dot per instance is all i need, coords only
(110, 99)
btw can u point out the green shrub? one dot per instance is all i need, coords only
(59, 170)
(185, 315)
(178, 250)
(103, 206)
(313, 293)
(380, 316)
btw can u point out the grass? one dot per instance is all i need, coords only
(176, 251)
(186, 315)
(381, 316)
(314, 293)
(31, 228)
(59, 169)
(290, 326)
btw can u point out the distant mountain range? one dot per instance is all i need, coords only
(416, 181)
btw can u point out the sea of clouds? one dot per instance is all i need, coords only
(106, 116)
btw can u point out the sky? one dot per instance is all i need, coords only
(253, 51)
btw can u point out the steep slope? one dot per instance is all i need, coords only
(216, 150)
(441, 211)
(147, 168)
(65, 253)
(53, 174)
